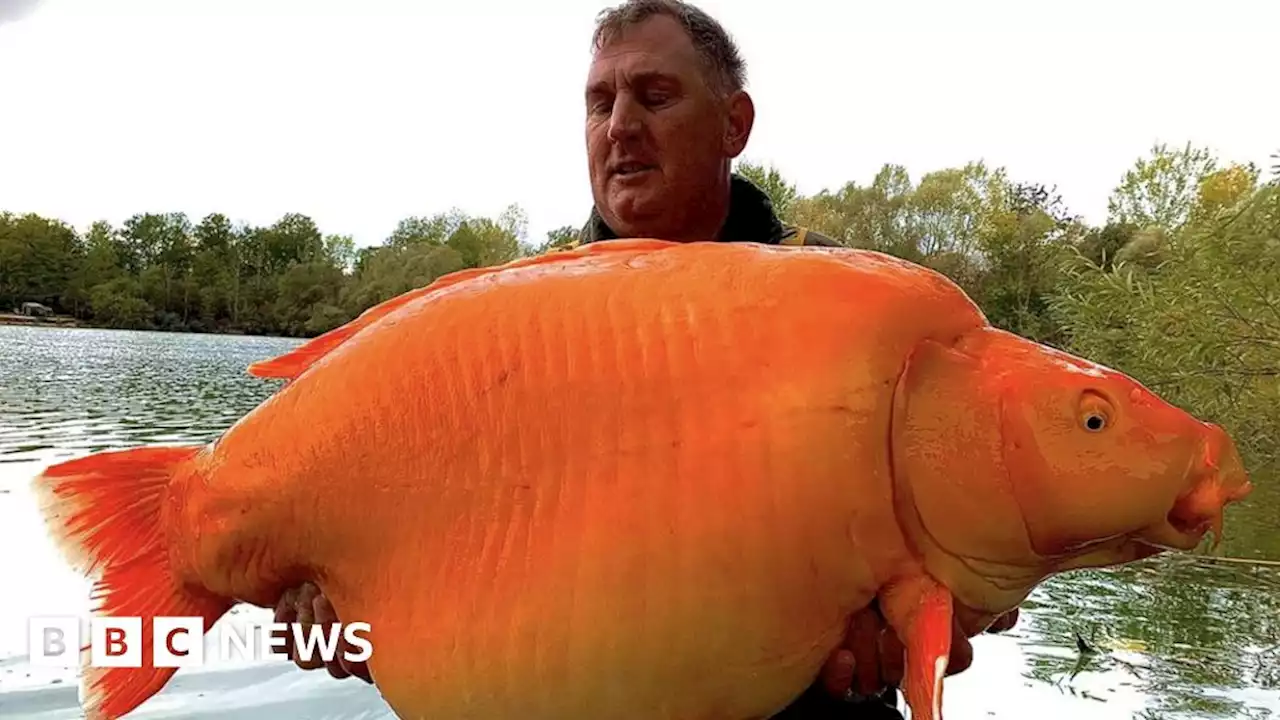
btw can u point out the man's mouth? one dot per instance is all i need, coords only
(628, 169)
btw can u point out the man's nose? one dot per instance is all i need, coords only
(624, 122)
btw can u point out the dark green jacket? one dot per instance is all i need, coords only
(751, 219)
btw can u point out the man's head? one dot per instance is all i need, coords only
(666, 116)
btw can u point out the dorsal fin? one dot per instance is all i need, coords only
(293, 363)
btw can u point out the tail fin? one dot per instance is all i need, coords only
(104, 512)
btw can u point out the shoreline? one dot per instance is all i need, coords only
(67, 321)
(32, 320)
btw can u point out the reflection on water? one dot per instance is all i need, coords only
(76, 391)
(1188, 637)
(1200, 638)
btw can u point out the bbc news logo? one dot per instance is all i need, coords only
(178, 642)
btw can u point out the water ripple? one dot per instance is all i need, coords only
(85, 390)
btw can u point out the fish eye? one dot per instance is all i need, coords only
(1094, 411)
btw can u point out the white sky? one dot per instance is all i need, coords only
(362, 113)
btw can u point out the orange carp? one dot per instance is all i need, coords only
(647, 480)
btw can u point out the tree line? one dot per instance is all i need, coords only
(162, 271)
(1180, 286)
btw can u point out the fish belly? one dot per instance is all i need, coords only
(651, 490)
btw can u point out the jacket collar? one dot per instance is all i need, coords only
(751, 218)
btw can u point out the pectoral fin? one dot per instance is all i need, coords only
(919, 610)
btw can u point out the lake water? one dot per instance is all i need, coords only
(1171, 638)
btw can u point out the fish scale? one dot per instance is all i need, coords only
(643, 480)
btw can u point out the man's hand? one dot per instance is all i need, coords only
(871, 658)
(307, 606)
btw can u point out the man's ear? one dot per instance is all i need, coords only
(740, 118)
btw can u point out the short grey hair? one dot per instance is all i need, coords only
(713, 43)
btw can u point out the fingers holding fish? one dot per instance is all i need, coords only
(339, 667)
(353, 669)
(961, 651)
(872, 657)
(306, 609)
(890, 659)
(867, 662)
(295, 606)
(307, 606)
(286, 612)
(865, 639)
(856, 665)
(838, 672)
(323, 614)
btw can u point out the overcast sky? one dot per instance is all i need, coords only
(362, 113)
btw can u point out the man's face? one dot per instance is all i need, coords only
(659, 136)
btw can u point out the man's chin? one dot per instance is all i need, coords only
(633, 210)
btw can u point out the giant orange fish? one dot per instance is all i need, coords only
(647, 480)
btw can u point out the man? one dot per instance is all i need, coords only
(666, 115)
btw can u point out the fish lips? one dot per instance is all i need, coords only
(1165, 536)
(1199, 510)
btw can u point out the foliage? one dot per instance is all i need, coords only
(781, 193)
(559, 237)
(1160, 190)
(160, 271)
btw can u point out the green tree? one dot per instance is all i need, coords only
(100, 263)
(1023, 238)
(38, 260)
(1160, 189)
(781, 193)
(340, 251)
(1101, 245)
(559, 237)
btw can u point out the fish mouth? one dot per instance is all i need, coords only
(1216, 480)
